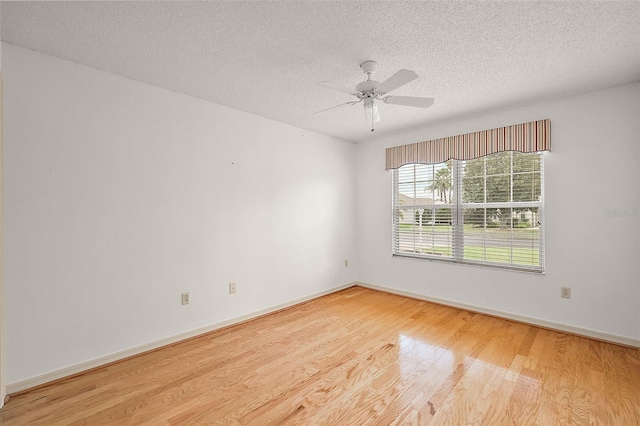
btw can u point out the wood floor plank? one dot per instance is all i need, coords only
(444, 374)
(582, 396)
(514, 401)
(356, 356)
(497, 355)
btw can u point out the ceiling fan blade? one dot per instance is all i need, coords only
(336, 106)
(335, 86)
(400, 78)
(409, 101)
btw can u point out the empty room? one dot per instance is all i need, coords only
(320, 213)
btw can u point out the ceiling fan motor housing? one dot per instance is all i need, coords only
(367, 87)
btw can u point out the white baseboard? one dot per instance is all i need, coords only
(116, 356)
(586, 332)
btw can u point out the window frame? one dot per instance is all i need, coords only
(458, 207)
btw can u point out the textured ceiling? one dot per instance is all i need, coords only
(266, 57)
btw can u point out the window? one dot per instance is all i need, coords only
(486, 211)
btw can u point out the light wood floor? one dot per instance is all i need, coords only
(355, 357)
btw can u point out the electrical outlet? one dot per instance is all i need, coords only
(346, 263)
(232, 288)
(565, 292)
(185, 298)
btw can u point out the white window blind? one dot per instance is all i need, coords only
(486, 211)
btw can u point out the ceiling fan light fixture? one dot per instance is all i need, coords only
(371, 113)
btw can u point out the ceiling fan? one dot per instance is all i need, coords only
(370, 91)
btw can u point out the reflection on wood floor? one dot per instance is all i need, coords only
(355, 357)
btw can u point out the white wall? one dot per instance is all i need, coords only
(3, 389)
(119, 196)
(593, 166)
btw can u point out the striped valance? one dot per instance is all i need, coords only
(525, 137)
